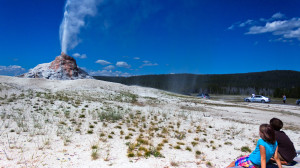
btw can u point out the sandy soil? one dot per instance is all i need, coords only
(91, 123)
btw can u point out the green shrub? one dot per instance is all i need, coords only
(245, 149)
(94, 155)
(227, 143)
(208, 164)
(188, 148)
(94, 146)
(177, 147)
(130, 154)
(110, 115)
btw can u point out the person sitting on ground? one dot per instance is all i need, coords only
(266, 147)
(286, 149)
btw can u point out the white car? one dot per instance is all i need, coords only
(258, 98)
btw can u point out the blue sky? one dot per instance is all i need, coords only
(137, 37)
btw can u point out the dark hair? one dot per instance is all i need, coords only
(276, 124)
(267, 133)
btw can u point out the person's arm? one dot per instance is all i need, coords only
(263, 162)
(276, 158)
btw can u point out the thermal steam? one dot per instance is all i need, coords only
(75, 14)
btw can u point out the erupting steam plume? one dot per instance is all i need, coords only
(74, 18)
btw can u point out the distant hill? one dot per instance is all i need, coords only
(269, 83)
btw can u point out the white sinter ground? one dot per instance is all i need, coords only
(92, 123)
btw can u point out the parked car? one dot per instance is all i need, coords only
(258, 98)
(203, 95)
(298, 102)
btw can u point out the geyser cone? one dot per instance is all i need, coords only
(64, 67)
(66, 63)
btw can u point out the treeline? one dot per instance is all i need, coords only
(269, 83)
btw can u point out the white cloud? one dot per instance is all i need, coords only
(263, 20)
(286, 28)
(269, 27)
(276, 25)
(248, 22)
(12, 70)
(77, 55)
(108, 73)
(136, 58)
(278, 16)
(231, 27)
(123, 64)
(109, 67)
(83, 56)
(293, 34)
(102, 62)
(148, 63)
(243, 24)
(281, 40)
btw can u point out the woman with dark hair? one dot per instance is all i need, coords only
(286, 149)
(266, 148)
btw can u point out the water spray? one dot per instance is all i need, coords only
(75, 13)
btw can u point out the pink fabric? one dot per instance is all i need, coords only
(244, 161)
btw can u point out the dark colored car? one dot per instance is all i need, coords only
(203, 95)
(298, 102)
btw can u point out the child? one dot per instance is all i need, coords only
(266, 147)
(286, 149)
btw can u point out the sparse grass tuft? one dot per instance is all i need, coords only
(245, 149)
(188, 148)
(227, 143)
(209, 164)
(95, 146)
(175, 164)
(180, 135)
(110, 115)
(130, 155)
(95, 154)
(198, 152)
(177, 147)
(90, 131)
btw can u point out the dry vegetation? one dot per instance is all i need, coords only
(109, 124)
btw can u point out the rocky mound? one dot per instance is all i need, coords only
(64, 67)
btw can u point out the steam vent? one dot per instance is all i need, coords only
(64, 67)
